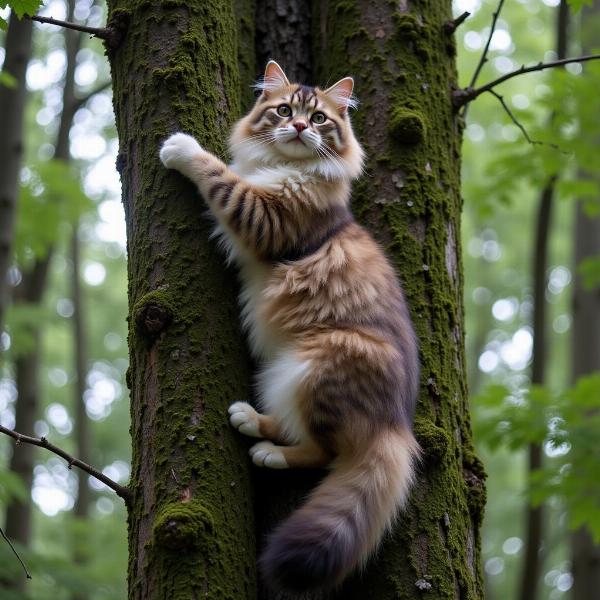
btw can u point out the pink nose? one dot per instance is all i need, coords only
(300, 126)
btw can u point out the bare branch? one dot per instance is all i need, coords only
(27, 573)
(483, 58)
(120, 490)
(99, 32)
(466, 95)
(451, 26)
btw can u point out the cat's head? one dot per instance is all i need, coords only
(301, 125)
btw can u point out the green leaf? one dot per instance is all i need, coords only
(24, 7)
(7, 79)
(589, 269)
(3, 24)
(577, 5)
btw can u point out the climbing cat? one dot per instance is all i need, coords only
(326, 316)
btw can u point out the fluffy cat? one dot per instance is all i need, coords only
(326, 316)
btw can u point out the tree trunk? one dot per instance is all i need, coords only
(83, 441)
(585, 555)
(12, 107)
(404, 66)
(191, 531)
(532, 561)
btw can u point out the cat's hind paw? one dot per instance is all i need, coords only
(267, 454)
(244, 418)
(179, 150)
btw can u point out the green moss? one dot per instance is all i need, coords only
(433, 440)
(184, 526)
(407, 126)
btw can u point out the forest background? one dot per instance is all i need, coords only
(503, 174)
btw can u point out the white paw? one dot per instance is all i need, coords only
(266, 454)
(179, 150)
(244, 418)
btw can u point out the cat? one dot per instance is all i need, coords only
(326, 316)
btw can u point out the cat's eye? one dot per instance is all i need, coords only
(284, 110)
(318, 118)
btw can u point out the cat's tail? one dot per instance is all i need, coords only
(344, 518)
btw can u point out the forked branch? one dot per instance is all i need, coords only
(464, 96)
(42, 442)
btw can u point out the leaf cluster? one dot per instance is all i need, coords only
(566, 425)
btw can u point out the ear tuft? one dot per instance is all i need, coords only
(273, 79)
(341, 94)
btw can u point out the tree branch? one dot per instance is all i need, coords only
(451, 26)
(100, 32)
(120, 490)
(112, 34)
(466, 95)
(483, 58)
(27, 573)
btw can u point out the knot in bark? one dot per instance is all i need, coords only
(184, 526)
(154, 319)
(153, 313)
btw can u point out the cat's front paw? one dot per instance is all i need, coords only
(179, 150)
(267, 454)
(244, 418)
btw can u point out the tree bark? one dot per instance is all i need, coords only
(12, 107)
(404, 67)
(585, 555)
(191, 532)
(532, 561)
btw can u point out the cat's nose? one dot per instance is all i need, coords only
(300, 126)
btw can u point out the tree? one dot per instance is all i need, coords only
(174, 274)
(12, 105)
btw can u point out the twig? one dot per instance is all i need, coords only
(42, 442)
(483, 58)
(27, 573)
(451, 26)
(100, 32)
(466, 95)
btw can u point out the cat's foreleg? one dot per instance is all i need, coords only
(256, 216)
(252, 423)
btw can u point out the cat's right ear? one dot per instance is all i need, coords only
(273, 79)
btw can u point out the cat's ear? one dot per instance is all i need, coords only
(273, 78)
(341, 94)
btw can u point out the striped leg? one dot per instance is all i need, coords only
(256, 216)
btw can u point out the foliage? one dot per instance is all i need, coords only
(21, 8)
(567, 425)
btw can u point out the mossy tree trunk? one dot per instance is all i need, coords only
(191, 518)
(191, 531)
(404, 64)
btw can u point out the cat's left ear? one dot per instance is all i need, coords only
(341, 94)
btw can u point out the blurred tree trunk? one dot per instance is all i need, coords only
(404, 67)
(532, 561)
(585, 555)
(83, 441)
(31, 291)
(12, 108)
(191, 531)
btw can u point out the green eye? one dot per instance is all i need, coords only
(284, 110)
(318, 118)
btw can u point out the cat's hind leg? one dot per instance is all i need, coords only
(303, 455)
(252, 423)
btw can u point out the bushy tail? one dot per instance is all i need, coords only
(344, 518)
